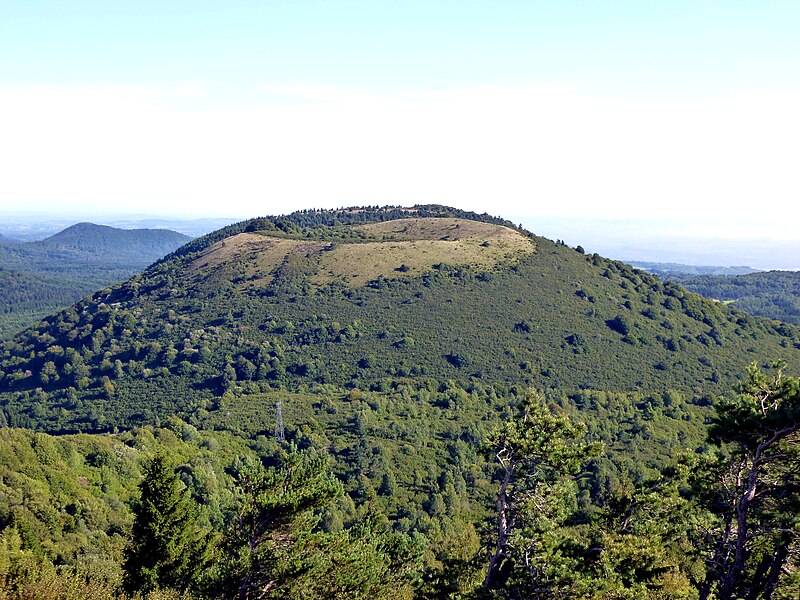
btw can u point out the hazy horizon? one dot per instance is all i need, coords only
(603, 111)
(620, 239)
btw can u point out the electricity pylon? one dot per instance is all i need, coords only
(280, 436)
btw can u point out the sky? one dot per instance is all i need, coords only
(617, 118)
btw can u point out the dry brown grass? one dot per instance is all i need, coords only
(251, 255)
(419, 244)
(416, 245)
(432, 228)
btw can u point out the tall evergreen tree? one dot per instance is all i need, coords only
(167, 548)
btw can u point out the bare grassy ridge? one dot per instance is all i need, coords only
(401, 248)
(433, 228)
(409, 247)
(251, 255)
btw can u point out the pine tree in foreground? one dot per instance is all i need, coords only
(167, 549)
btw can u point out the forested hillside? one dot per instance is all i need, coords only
(360, 383)
(298, 301)
(672, 270)
(771, 294)
(41, 277)
(170, 510)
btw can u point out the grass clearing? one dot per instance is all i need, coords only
(401, 248)
(252, 255)
(410, 247)
(435, 228)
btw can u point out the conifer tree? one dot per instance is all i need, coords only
(167, 549)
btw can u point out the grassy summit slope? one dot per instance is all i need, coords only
(364, 299)
(417, 245)
(403, 248)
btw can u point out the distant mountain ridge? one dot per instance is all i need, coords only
(42, 276)
(31, 228)
(84, 243)
(667, 269)
(92, 241)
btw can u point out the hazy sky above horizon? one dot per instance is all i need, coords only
(684, 111)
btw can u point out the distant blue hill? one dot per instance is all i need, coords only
(89, 244)
(104, 242)
(667, 269)
(39, 277)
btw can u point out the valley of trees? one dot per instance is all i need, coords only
(677, 270)
(535, 423)
(772, 294)
(177, 512)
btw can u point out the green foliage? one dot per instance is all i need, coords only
(274, 551)
(537, 452)
(753, 489)
(619, 324)
(167, 549)
(773, 294)
(636, 540)
(67, 499)
(405, 523)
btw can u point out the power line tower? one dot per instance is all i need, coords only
(280, 436)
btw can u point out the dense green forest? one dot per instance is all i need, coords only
(771, 294)
(39, 278)
(176, 511)
(677, 270)
(394, 402)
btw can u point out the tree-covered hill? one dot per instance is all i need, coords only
(38, 278)
(394, 341)
(363, 299)
(771, 294)
(668, 270)
(86, 243)
(95, 239)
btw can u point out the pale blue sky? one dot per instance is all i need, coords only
(561, 108)
(677, 49)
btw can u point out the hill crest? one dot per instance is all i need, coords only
(90, 235)
(256, 307)
(401, 248)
